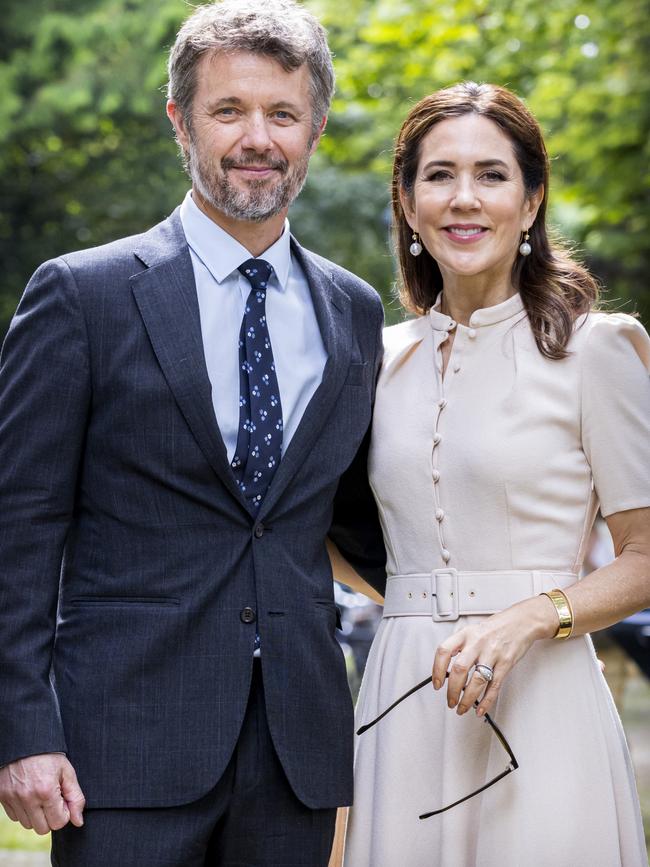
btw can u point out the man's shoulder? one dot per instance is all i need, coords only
(351, 283)
(122, 253)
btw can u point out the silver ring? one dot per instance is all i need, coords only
(484, 671)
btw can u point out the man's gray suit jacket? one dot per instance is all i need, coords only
(128, 556)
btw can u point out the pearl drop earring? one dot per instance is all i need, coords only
(524, 248)
(416, 246)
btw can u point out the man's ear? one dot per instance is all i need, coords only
(178, 122)
(317, 136)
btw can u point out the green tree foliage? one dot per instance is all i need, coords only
(86, 153)
(581, 66)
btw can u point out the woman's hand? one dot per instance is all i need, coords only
(604, 597)
(498, 642)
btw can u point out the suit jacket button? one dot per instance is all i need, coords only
(247, 615)
(259, 531)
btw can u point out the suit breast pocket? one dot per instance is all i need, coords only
(356, 373)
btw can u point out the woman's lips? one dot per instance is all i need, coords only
(465, 234)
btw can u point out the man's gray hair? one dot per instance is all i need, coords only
(281, 29)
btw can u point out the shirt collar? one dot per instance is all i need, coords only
(487, 316)
(222, 254)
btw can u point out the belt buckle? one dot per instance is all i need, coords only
(444, 595)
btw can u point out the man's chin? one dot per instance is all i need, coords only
(261, 204)
(250, 213)
(251, 201)
(248, 191)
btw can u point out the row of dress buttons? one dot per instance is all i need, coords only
(437, 439)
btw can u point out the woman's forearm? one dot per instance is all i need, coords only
(346, 574)
(622, 587)
(610, 593)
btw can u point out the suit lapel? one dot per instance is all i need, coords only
(332, 308)
(166, 297)
(165, 293)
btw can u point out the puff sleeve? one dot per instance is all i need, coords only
(615, 386)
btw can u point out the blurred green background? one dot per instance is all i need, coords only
(87, 155)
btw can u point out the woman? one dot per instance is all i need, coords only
(507, 411)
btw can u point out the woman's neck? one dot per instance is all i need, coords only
(460, 299)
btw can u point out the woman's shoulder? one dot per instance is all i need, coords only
(401, 338)
(405, 333)
(601, 336)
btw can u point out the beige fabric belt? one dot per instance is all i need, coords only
(446, 594)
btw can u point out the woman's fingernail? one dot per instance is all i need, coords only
(451, 702)
(480, 711)
(436, 683)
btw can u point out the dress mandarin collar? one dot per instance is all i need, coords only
(487, 316)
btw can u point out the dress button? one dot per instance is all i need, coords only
(259, 531)
(471, 333)
(442, 403)
(436, 475)
(436, 438)
(439, 514)
(451, 325)
(247, 615)
(446, 556)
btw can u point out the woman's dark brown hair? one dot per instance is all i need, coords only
(554, 288)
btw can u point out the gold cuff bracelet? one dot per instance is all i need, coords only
(564, 612)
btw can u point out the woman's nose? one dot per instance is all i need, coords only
(465, 196)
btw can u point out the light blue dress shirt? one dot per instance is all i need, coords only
(298, 349)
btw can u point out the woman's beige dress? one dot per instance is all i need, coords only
(500, 466)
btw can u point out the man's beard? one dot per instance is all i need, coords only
(261, 199)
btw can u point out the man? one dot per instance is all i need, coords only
(177, 410)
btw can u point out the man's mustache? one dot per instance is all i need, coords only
(242, 162)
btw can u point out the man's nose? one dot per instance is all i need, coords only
(257, 134)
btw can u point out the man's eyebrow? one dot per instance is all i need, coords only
(213, 105)
(282, 104)
(225, 101)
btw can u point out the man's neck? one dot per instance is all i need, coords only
(255, 237)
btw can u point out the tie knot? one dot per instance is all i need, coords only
(257, 272)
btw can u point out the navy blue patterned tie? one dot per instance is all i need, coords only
(259, 439)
